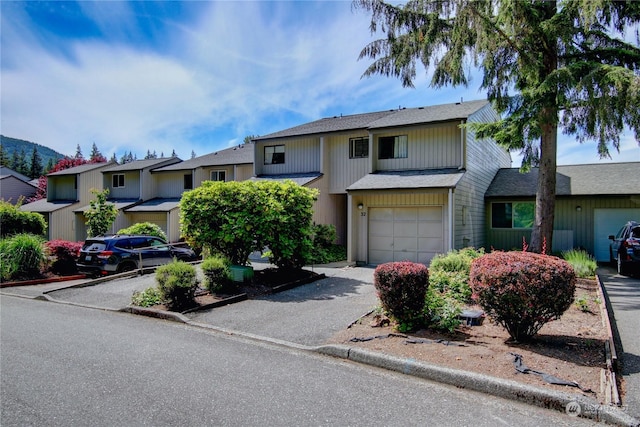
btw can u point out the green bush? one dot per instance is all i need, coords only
(145, 228)
(14, 221)
(324, 249)
(177, 284)
(584, 264)
(217, 276)
(401, 288)
(521, 290)
(442, 310)
(22, 257)
(147, 298)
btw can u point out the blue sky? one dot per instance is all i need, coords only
(198, 76)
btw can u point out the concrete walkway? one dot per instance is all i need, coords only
(624, 296)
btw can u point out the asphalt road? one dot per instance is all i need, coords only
(70, 365)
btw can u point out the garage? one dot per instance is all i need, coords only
(608, 222)
(405, 234)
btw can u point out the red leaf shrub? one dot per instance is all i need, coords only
(65, 254)
(401, 288)
(522, 290)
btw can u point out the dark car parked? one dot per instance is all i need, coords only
(118, 253)
(625, 248)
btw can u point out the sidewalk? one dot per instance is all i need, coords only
(624, 296)
(307, 316)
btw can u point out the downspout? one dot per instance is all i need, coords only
(462, 162)
(322, 148)
(450, 219)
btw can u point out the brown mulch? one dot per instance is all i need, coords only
(570, 348)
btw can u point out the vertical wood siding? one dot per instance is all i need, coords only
(342, 170)
(170, 184)
(61, 188)
(131, 189)
(301, 155)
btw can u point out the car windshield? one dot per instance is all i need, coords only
(635, 232)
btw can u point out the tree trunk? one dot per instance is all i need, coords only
(542, 233)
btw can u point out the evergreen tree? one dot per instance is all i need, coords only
(96, 156)
(173, 153)
(113, 157)
(545, 64)
(193, 154)
(49, 166)
(35, 169)
(4, 158)
(79, 152)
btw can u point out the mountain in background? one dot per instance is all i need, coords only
(9, 145)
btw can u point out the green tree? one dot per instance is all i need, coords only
(4, 158)
(78, 152)
(35, 169)
(545, 65)
(96, 156)
(101, 214)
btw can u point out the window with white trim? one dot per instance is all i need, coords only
(273, 154)
(393, 147)
(117, 180)
(218, 175)
(358, 147)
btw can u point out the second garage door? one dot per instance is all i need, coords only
(405, 234)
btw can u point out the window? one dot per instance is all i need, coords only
(358, 148)
(117, 180)
(512, 215)
(392, 147)
(188, 182)
(218, 175)
(273, 154)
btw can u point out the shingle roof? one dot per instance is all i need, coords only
(298, 178)
(140, 164)
(155, 205)
(571, 180)
(43, 206)
(80, 169)
(119, 204)
(408, 179)
(383, 119)
(238, 155)
(5, 171)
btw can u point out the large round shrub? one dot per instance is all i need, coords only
(177, 283)
(144, 228)
(217, 275)
(401, 288)
(522, 291)
(14, 221)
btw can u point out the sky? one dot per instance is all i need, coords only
(196, 77)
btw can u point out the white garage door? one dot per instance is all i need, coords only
(405, 234)
(607, 222)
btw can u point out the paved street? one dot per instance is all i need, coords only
(69, 365)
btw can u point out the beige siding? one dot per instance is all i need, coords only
(158, 218)
(88, 181)
(359, 217)
(342, 170)
(170, 184)
(149, 185)
(61, 223)
(567, 218)
(62, 188)
(301, 155)
(330, 209)
(131, 189)
(434, 146)
(243, 172)
(483, 159)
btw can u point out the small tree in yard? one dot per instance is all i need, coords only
(100, 214)
(237, 218)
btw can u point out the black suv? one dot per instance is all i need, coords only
(624, 249)
(116, 254)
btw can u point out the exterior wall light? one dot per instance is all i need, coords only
(578, 208)
(360, 206)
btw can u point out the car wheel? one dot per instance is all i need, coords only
(127, 266)
(622, 270)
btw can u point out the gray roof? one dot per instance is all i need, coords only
(298, 178)
(155, 205)
(238, 155)
(408, 179)
(141, 164)
(5, 172)
(119, 203)
(81, 169)
(383, 119)
(571, 180)
(43, 206)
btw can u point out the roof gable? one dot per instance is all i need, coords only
(137, 165)
(238, 155)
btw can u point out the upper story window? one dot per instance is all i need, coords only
(218, 176)
(188, 182)
(273, 154)
(358, 147)
(117, 180)
(512, 215)
(392, 147)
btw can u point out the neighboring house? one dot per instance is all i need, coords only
(402, 184)
(66, 191)
(134, 191)
(14, 186)
(592, 202)
(231, 164)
